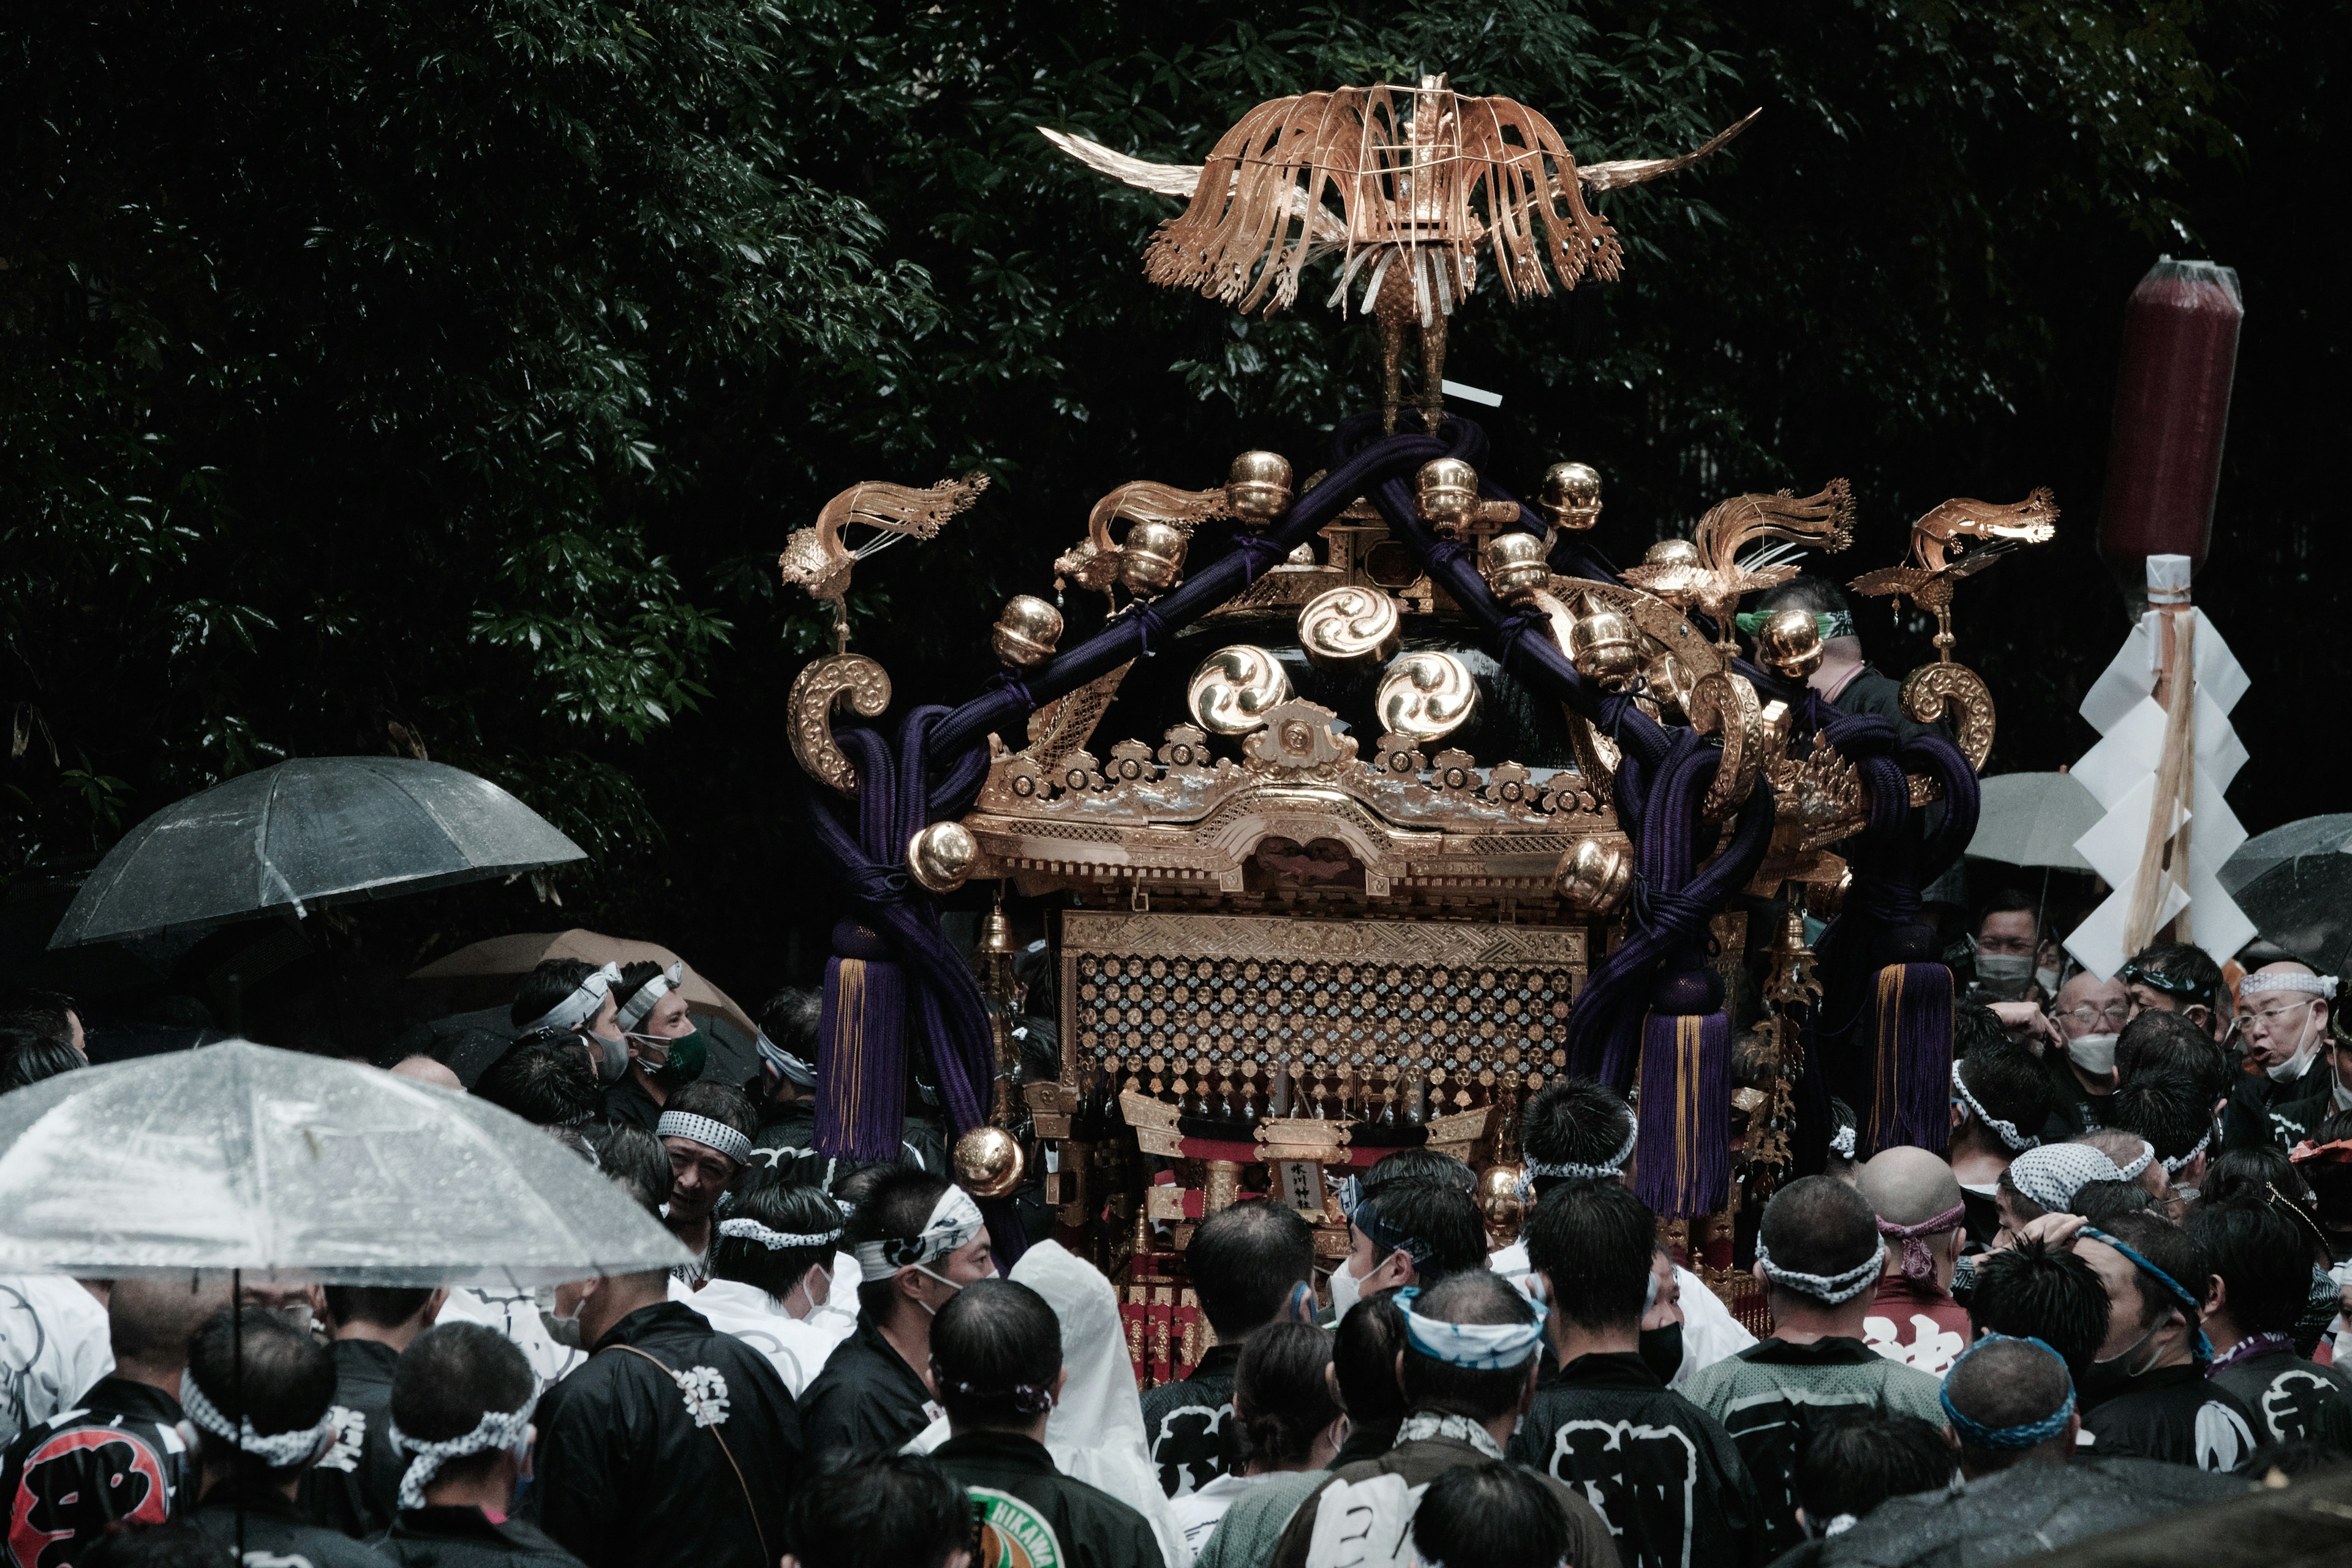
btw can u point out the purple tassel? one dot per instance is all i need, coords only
(1682, 1160)
(1908, 1033)
(861, 1053)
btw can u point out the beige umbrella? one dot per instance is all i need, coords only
(485, 974)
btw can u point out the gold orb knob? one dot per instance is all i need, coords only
(1601, 644)
(1258, 488)
(1571, 496)
(1425, 697)
(1790, 642)
(1152, 562)
(1592, 877)
(1229, 693)
(1348, 628)
(1445, 489)
(988, 1161)
(1516, 565)
(1671, 552)
(1500, 1205)
(1027, 630)
(941, 855)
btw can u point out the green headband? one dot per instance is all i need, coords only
(1833, 623)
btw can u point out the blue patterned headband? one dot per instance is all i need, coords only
(2026, 1435)
(2203, 1351)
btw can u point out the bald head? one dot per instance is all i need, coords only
(2108, 1000)
(425, 1069)
(1910, 1186)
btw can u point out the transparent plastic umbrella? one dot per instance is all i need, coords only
(2033, 819)
(2295, 884)
(280, 1165)
(311, 831)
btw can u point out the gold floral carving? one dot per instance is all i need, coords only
(809, 713)
(1934, 689)
(1724, 703)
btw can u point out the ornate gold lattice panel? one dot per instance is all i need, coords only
(1370, 1012)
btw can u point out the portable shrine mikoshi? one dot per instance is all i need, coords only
(1406, 801)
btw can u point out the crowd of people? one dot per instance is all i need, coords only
(2119, 1281)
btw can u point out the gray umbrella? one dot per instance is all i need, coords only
(240, 1157)
(2295, 884)
(315, 830)
(2030, 1509)
(2033, 819)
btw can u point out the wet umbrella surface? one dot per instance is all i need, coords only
(2295, 884)
(311, 831)
(238, 1156)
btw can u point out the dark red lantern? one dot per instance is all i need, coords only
(2172, 405)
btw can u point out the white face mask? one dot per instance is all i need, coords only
(951, 1284)
(2048, 980)
(2095, 1054)
(2306, 1049)
(806, 1291)
(2004, 975)
(1346, 1290)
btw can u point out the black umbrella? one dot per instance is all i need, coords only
(2030, 1509)
(316, 830)
(2295, 884)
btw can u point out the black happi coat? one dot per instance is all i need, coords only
(866, 1400)
(1183, 1422)
(2177, 1414)
(1093, 1529)
(355, 1487)
(2259, 1107)
(116, 1454)
(466, 1538)
(275, 1532)
(1661, 1471)
(638, 1468)
(2284, 1394)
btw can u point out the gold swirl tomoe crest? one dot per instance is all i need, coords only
(1426, 696)
(1229, 693)
(1348, 628)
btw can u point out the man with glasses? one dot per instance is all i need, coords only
(2090, 1012)
(2281, 1026)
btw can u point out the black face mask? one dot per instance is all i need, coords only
(2103, 1380)
(1662, 1351)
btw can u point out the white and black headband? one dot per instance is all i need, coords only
(279, 1450)
(496, 1429)
(795, 1069)
(955, 1221)
(633, 1011)
(702, 1130)
(776, 1240)
(1833, 1288)
(2319, 986)
(581, 1005)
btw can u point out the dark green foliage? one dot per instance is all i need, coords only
(379, 377)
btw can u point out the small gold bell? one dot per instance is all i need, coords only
(1516, 565)
(1027, 628)
(1152, 562)
(941, 855)
(1571, 496)
(988, 1161)
(1790, 642)
(1601, 646)
(1258, 488)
